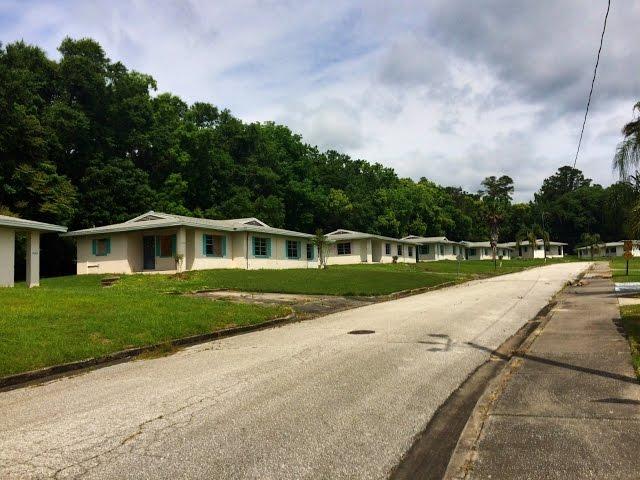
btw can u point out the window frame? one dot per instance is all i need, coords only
(310, 251)
(345, 247)
(399, 250)
(387, 249)
(410, 250)
(211, 237)
(106, 242)
(260, 243)
(292, 246)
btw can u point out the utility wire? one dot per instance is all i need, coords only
(593, 80)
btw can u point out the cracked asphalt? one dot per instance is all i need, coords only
(305, 400)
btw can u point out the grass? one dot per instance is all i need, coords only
(73, 318)
(631, 321)
(618, 268)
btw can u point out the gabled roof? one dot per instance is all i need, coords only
(154, 220)
(539, 241)
(343, 234)
(31, 225)
(485, 244)
(423, 240)
(619, 243)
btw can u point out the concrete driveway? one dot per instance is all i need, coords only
(306, 400)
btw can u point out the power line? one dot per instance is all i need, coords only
(593, 80)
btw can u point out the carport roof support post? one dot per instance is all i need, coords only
(33, 259)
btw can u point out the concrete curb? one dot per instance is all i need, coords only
(43, 374)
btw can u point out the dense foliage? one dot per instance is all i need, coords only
(84, 141)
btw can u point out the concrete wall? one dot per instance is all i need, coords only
(7, 256)
(278, 259)
(441, 251)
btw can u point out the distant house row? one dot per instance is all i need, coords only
(165, 242)
(609, 249)
(161, 242)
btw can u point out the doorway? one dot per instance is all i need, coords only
(149, 252)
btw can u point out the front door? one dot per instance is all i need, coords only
(149, 253)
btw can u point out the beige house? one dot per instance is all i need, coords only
(161, 242)
(430, 249)
(609, 249)
(482, 251)
(349, 247)
(8, 228)
(525, 250)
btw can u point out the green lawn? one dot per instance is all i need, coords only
(73, 318)
(618, 268)
(631, 320)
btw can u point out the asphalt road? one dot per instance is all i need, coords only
(306, 400)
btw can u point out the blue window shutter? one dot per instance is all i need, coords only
(157, 240)
(224, 245)
(204, 244)
(298, 247)
(94, 247)
(268, 248)
(173, 245)
(108, 249)
(253, 246)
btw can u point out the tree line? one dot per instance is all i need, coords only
(84, 141)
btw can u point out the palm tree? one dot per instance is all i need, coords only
(531, 234)
(627, 158)
(591, 240)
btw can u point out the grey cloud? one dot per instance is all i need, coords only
(546, 48)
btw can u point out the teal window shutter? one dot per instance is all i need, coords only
(313, 252)
(268, 248)
(108, 246)
(173, 245)
(204, 244)
(224, 245)
(157, 241)
(94, 247)
(253, 246)
(298, 247)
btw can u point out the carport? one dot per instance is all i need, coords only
(8, 228)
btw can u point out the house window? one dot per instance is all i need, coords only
(293, 249)
(165, 246)
(399, 250)
(472, 252)
(424, 249)
(486, 251)
(344, 248)
(387, 249)
(410, 250)
(560, 250)
(455, 249)
(101, 247)
(213, 245)
(525, 249)
(310, 251)
(441, 249)
(261, 246)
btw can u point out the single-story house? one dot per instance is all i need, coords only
(482, 251)
(435, 248)
(609, 249)
(348, 247)
(8, 228)
(161, 242)
(524, 250)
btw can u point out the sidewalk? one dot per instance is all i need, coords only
(568, 406)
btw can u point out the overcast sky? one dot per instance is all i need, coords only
(450, 90)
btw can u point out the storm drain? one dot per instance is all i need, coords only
(361, 332)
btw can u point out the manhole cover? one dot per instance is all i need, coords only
(361, 332)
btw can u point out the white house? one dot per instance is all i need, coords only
(161, 242)
(482, 251)
(609, 249)
(8, 228)
(348, 247)
(435, 248)
(524, 250)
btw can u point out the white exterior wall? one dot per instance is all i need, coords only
(7, 256)
(441, 251)
(126, 254)
(357, 246)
